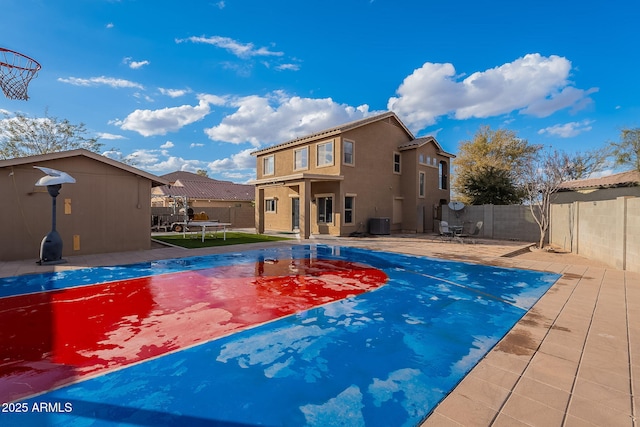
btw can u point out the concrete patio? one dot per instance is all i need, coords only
(571, 361)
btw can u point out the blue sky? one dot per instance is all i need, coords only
(187, 85)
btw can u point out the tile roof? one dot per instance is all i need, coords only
(196, 186)
(624, 179)
(189, 176)
(419, 142)
(335, 130)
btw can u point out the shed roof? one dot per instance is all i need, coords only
(155, 180)
(624, 179)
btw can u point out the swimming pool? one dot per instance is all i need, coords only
(303, 335)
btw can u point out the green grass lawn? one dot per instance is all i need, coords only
(192, 241)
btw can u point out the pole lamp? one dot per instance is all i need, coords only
(51, 246)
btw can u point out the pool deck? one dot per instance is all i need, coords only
(573, 360)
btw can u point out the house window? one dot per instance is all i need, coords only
(348, 209)
(442, 175)
(421, 159)
(267, 165)
(421, 184)
(325, 210)
(324, 154)
(347, 155)
(270, 205)
(301, 158)
(396, 162)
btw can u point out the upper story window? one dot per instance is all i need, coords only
(421, 182)
(396, 162)
(442, 175)
(324, 154)
(347, 152)
(301, 158)
(268, 165)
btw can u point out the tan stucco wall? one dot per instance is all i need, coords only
(283, 164)
(371, 180)
(419, 213)
(109, 209)
(281, 219)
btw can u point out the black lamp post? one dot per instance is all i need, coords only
(51, 246)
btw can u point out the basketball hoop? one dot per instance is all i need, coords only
(16, 71)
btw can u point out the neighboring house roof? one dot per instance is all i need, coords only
(185, 176)
(624, 179)
(196, 186)
(155, 180)
(335, 131)
(419, 142)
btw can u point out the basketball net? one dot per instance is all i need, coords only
(16, 71)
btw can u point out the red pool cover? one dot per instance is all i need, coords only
(50, 339)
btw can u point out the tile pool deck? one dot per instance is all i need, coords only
(574, 359)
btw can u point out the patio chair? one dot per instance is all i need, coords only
(445, 232)
(474, 233)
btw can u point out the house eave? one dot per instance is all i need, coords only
(313, 177)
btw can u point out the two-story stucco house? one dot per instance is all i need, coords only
(336, 180)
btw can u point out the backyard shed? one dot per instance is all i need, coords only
(105, 210)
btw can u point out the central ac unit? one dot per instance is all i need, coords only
(379, 226)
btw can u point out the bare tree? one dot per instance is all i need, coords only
(627, 151)
(22, 136)
(543, 178)
(581, 165)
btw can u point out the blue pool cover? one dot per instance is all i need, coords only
(382, 358)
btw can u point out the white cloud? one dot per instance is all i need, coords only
(220, 5)
(567, 130)
(143, 96)
(160, 162)
(533, 85)
(109, 25)
(174, 93)
(104, 135)
(278, 117)
(241, 160)
(167, 144)
(138, 64)
(214, 99)
(102, 80)
(241, 50)
(159, 122)
(242, 177)
(290, 67)
(118, 155)
(195, 145)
